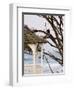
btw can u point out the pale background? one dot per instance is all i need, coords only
(4, 45)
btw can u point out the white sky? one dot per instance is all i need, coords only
(36, 22)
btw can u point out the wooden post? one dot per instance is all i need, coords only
(41, 58)
(33, 47)
(34, 61)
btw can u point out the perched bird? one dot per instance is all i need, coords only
(50, 35)
(48, 31)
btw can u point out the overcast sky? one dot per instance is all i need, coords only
(36, 22)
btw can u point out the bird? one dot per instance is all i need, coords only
(48, 31)
(49, 35)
